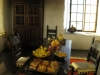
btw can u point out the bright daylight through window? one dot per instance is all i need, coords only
(83, 14)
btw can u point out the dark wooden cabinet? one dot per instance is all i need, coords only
(28, 21)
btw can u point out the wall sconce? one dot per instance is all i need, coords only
(6, 35)
(3, 33)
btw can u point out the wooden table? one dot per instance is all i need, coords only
(65, 48)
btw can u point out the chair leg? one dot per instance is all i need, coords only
(72, 71)
(94, 73)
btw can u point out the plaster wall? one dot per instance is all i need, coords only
(54, 15)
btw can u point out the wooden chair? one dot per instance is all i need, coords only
(89, 66)
(91, 50)
(16, 49)
(51, 32)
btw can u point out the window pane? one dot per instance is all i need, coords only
(86, 27)
(93, 9)
(80, 1)
(87, 8)
(73, 23)
(74, 1)
(94, 2)
(79, 26)
(83, 14)
(73, 17)
(88, 1)
(92, 18)
(92, 26)
(80, 8)
(79, 17)
(74, 8)
(87, 18)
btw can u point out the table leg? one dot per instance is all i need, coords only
(72, 70)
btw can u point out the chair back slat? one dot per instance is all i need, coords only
(18, 55)
(90, 52)
(16, 49)
(93, 56)
(16, 46)
(51, 32)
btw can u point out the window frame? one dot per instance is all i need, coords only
(83, 19)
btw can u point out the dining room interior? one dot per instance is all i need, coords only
(53, 15)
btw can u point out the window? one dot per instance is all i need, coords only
(83, 15)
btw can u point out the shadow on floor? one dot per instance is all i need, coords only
(6, 62)
(79, 53)
(27, 50)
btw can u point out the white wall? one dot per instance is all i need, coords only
(7, 7)
(5, 24)
(53, 15)
(5, 20)
(1, 25)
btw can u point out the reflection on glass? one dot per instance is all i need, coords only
(92, 18)
(73, 23)
(87, 8)
(94, 2)
(87, 17)
(86, 27)
(79, 25)
(92, 26)
(74, 1)
(93, 9)
(80, 8)
(73, 17)
(79, 17)
(80, 1)
(88, 1)
(74, 8)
